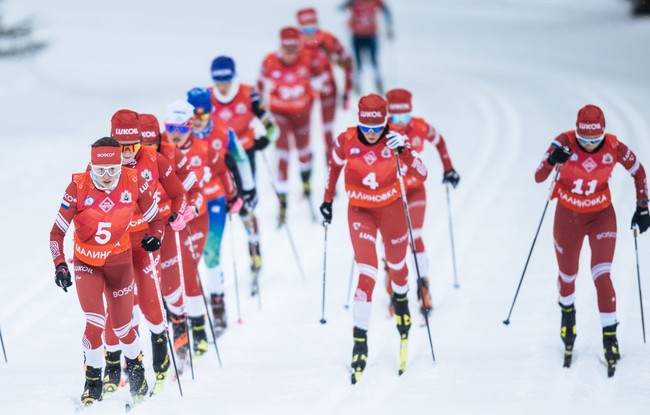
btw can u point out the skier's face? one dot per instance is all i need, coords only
(177, 137)
(200, 122)
(371, 136)
(290, 54)
(129, 151)
(223, 87)
(589, 143)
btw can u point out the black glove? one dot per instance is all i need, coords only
(261, 143)
(326, 211)
(250, 198)
(150, 243)
(62, 276)
(641, 218)
(451, 177)
(559, 155)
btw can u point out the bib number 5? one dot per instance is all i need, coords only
(103, 235)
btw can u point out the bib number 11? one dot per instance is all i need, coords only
(577, 187)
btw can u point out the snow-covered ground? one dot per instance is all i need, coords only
(499, 78)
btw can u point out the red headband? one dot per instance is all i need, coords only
(105, 155)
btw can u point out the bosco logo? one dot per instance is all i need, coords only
(105, 155)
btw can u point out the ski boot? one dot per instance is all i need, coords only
(359, 353)
(568, 331)
(255, 256)
(219, 313)
(305, 175)
(199, 337)
(160, 356)
(93, 386)
(112, 372)
(610, 346)
(403, 318)
(137, 381)
(424, 296)
(179, 327)
(282, 215)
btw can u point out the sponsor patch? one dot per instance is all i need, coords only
(355, 150)
(589, 165)
(241, 108)
(146, 174)
(195, 161)
(89, 201)
(370, 158)
(608, 158)
(126, 197)
(106, 205)
(385, 153)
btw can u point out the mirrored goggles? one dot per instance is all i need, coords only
(309, 30)
(182, 129)
(590, 141)
(204, 116)
(366, 129)
(400, 118)
(133, 148)
(101, 171)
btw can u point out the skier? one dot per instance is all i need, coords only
(237, 106)
(363, 25)
(205, 162)
(156, 171)
(286, 77)
(226, 144)
(371, 181)
(585, 158)
(327, 50)
(418, 131)
(102, 202)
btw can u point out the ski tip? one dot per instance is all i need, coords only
(323, 321)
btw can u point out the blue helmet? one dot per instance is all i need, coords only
(200, 99)
(223, 69)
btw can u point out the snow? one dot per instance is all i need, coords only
(499, 78)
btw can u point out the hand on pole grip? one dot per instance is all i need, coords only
(641, 217)
(250, 198)
(395, 141)
(326, 211)
(62, 276)
(177, 222)
(451, 177)
(345, 101)
(559, 155)
(234, 205)
(150, 243)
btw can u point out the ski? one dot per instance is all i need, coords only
(135, 401)
(403, 347)
(255, 287)
(158, 386)
(356, 375)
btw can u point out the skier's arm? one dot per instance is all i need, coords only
(218, 169)
(388, 18)
(628, 159)
(545, 167)
(439, 141)
(66, 213)
(336, 163)
(264, 115)
(411, 159)
(172, 185)
(341, 58)
(149, 208)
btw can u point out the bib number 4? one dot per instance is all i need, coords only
(371, 181)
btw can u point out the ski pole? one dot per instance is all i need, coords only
(286, 225)
(638, 278)
(322, 318)
(179, 250)
(412, 242)
(170, 347)
(347, 298)
(4, 352)
(234, 268)
(451, 236)
(548, 199)
(205, 301)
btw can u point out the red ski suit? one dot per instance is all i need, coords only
(375, 205)
(102, 253)
(584, 209)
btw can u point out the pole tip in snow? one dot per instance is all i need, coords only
(506, 322)
(346, 306)
(240, 321)
(323, 321)
(456, 285)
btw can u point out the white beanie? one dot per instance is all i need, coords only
(179, 113)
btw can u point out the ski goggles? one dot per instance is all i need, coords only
(590, 141)
(400, 118)
(367, 129)
(182, 129)
(101, 171)
(203, 116)
(309, 30)
(133, 148)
